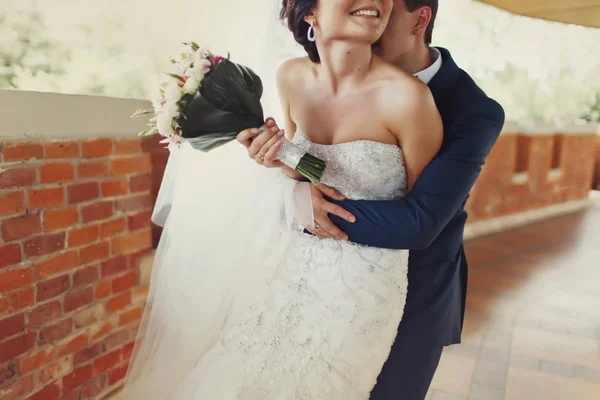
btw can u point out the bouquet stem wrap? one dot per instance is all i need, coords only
(298, 159)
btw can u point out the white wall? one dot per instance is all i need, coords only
(35, 116)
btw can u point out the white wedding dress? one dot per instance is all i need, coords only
(318, 323)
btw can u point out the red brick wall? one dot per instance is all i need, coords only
(517, 177)
(74, 222)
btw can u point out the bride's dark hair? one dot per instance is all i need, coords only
(293, 13)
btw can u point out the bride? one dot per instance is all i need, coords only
(243, 304)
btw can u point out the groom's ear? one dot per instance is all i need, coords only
(421, 21)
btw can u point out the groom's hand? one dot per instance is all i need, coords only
(322, 208)
(260, 143)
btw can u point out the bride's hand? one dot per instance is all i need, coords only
(323, 208)
(263, 145)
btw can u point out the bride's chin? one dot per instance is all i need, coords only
(370, 37)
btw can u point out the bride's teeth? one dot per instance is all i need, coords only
(365, 13)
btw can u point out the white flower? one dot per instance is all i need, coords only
(171, 110)
(164, 80)
(164, 125)
(177, 69)
(173, 92)
(191, 85)
(157, 101)
(199, 55)
(206, 64)
(197, 72)
(173, 142)
(186, 62)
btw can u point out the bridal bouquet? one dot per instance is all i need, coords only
(207, 100)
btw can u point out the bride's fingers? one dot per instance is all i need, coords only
(267, 146)
(275, 141)
(331, 229)
(262, 139)
(245, 137)
(316, 232)
(270, 159)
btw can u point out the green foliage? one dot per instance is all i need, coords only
(25, 45)
(537, 70)
(593, 114)
(93, 57)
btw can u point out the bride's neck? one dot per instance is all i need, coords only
(343, 62)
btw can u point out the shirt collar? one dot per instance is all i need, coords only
(428, 73)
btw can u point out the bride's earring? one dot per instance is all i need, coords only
(311, 32)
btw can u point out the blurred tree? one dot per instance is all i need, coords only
(102, 61)
(593, 114)
(25, 45)
(96, 56)
(537, 70)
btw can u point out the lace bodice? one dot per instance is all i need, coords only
(362, 169)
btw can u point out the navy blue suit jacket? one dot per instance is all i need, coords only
(430, 220)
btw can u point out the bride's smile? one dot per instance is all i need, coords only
(354, 20)
(366, 12)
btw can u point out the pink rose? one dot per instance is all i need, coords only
(216, 59)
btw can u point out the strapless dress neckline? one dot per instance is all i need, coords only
(357, 141)
(360, 169)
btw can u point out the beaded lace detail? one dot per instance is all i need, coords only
(324, 327)
(361, 169)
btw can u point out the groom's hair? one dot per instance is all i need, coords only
(292, 14)
(412, 5)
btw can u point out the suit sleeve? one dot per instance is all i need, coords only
(414, 221)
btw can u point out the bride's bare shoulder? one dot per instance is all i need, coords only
(293, 71)
(402, 90)
(396, 78)
(407, 102)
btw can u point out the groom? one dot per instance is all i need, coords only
(430, 220)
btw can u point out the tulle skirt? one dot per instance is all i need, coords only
(227, 224)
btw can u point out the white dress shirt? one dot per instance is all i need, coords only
(428, 73)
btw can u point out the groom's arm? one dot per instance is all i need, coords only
(414, 221)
